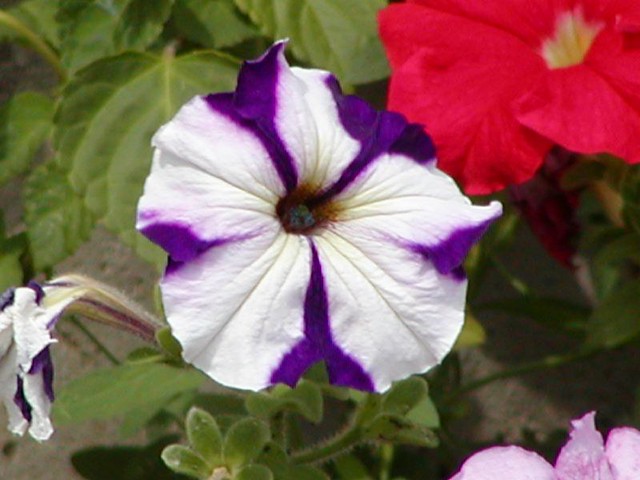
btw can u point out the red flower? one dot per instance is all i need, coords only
(498, 82)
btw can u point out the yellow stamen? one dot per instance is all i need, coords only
(572, 40)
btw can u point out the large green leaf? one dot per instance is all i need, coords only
(10, 251)
(211, 23)
(107, 117)
(57, 220)
(616, 321)
(337, 35)
(38, 16)
(115, 391)
(141, 23)
(25, 123)
(86, 30)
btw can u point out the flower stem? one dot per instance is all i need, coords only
(552, 361)
(35, 42)
(342, 442)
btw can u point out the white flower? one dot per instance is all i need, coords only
(26, 371)
(302, 225)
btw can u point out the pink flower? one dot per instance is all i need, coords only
(584, 457)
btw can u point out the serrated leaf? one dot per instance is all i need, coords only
(107, 117)
(396, 429)
(86, 30)
(38, 16)
(254, 472)
(118, 390)
(57, 220)
(616, 321)
(305, 399)
(244, 442)
(338, 35)
(404, 395)
(183, 460)
(211, 23)
(350, 467)
(26, 121)
(140, 24)
(204, 436)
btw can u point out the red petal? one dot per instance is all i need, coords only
(586, 112)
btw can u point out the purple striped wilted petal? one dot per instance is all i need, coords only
(301, 226)
(26, 370)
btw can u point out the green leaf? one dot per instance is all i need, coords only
(115, 391)
(168, 342)
(254, 472)
(338, 35)
(183, 460)
(244, 442)
(57, 220)
(472, 333)
(105, 122)
(11, 249)
(124, 463)
(86, 30)
(424, 413)
(204, 436)
(276, 459)
(26, 121)
(211, 23)
(38, 16)
(350, 467)
(305, 399)
(404, 395)
(396, 429)
(616, 321)
(141, 23)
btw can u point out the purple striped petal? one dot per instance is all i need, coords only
(318, 342)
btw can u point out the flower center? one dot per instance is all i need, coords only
(300, 213)
(572, 39)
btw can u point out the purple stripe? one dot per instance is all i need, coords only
(318, 343)
(378, 132)
(253, 106)
(448, 255)
(180, 241)
(6, 299)
(21, 401)
(35, 286)
(42, 364)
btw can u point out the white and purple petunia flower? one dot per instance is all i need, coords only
(303, 225)
(584, 457)
(26, 370)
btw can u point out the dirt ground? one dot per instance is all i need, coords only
(542, 401)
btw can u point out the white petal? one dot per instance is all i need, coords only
(416, 207)
(214, 143)
(8, 385)
(238, 308)
(30, 326)
(34, 392)
(185, 210)
(388, 308)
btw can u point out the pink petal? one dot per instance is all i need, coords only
(623, 452)
(505, 463)
(583, 458)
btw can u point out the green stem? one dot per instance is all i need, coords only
(387, 451)
(551, 361)
(35, 42)
(343, 441)
(517, 284)
(99, 345)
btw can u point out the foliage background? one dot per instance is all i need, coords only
(541, 403)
